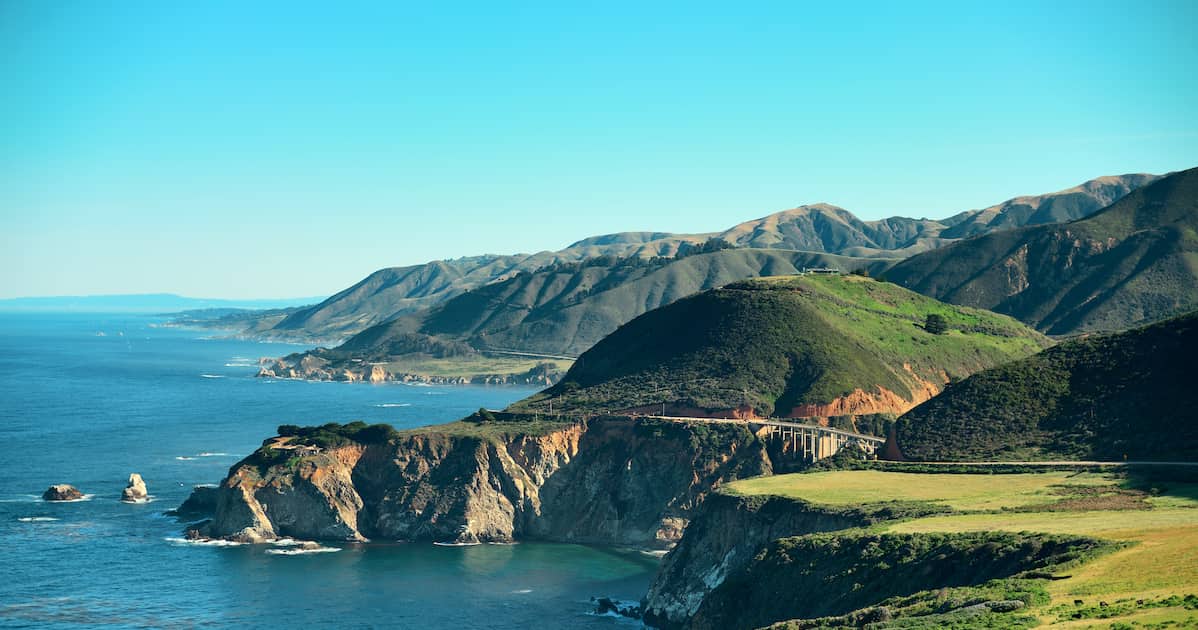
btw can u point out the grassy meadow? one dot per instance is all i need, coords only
(1142, 584)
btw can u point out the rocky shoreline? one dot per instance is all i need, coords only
(606, 480)
(310, 368)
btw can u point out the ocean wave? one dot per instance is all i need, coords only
(299, 551)
(86, 497)
(184, 458)
(149, 499)
(389, 405)
(656, 553)
(204, 542)
(242, 365)
(456, 544)
(207, 454)
(212, 376)
(37, 519)
(29, 498)
(522, 591)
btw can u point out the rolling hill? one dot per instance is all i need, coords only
(1134, 262)
(800, 346)
(1103, 397)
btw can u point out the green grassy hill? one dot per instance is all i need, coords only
(1102, 397)
(789, 346)
(1132, 263)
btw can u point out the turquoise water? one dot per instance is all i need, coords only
(180, 409)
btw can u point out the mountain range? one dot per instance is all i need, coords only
(819, 228)
(1134, 262)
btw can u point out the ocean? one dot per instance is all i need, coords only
(89, 399)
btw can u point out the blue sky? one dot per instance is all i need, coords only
(284, 149)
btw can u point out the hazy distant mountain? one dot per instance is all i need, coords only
(820, 228)
(1066, 205)
(565, 309)
(1134, 262)
(141, 303)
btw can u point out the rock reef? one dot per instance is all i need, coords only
(62, 492)
(135, 491)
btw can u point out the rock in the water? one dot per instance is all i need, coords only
(202, 502)
(135, 492)
(606, 605)
(62, 492)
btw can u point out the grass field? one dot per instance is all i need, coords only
(467, 367)
(960, 492)
(1161, 561)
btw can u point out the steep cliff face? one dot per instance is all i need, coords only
(726, 535)
(608, 480)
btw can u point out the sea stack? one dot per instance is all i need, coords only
(62, 492)
(135, 492)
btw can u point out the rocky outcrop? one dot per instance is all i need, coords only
(201, 503)
(605, 480)
(62, 492)
(135, 491)
(727, 534)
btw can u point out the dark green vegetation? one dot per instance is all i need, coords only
(889, 575)
(1132, 263)
(788, 347)
(333, 434)
(1103, 397)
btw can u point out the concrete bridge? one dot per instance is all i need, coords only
(809, 442)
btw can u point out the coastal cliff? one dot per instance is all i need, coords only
(620, 480)
(727, 534)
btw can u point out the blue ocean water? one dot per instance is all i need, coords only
(180, 408)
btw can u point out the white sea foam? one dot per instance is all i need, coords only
(148, 499)
(204, 542)
(183, 458)
(29, 498)
(86, 497)
(241, 365)
(656, 553)
(522, 591)
(389, 405)
(37, 519)
(301, 551)
(456, 544)
(207, 454)
(286, 542)
(211, 376)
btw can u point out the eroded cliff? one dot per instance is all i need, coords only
(605, 480)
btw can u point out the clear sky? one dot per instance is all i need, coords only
(254, 149)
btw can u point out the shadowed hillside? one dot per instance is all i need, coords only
(1134, 262)
(1102, 397)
